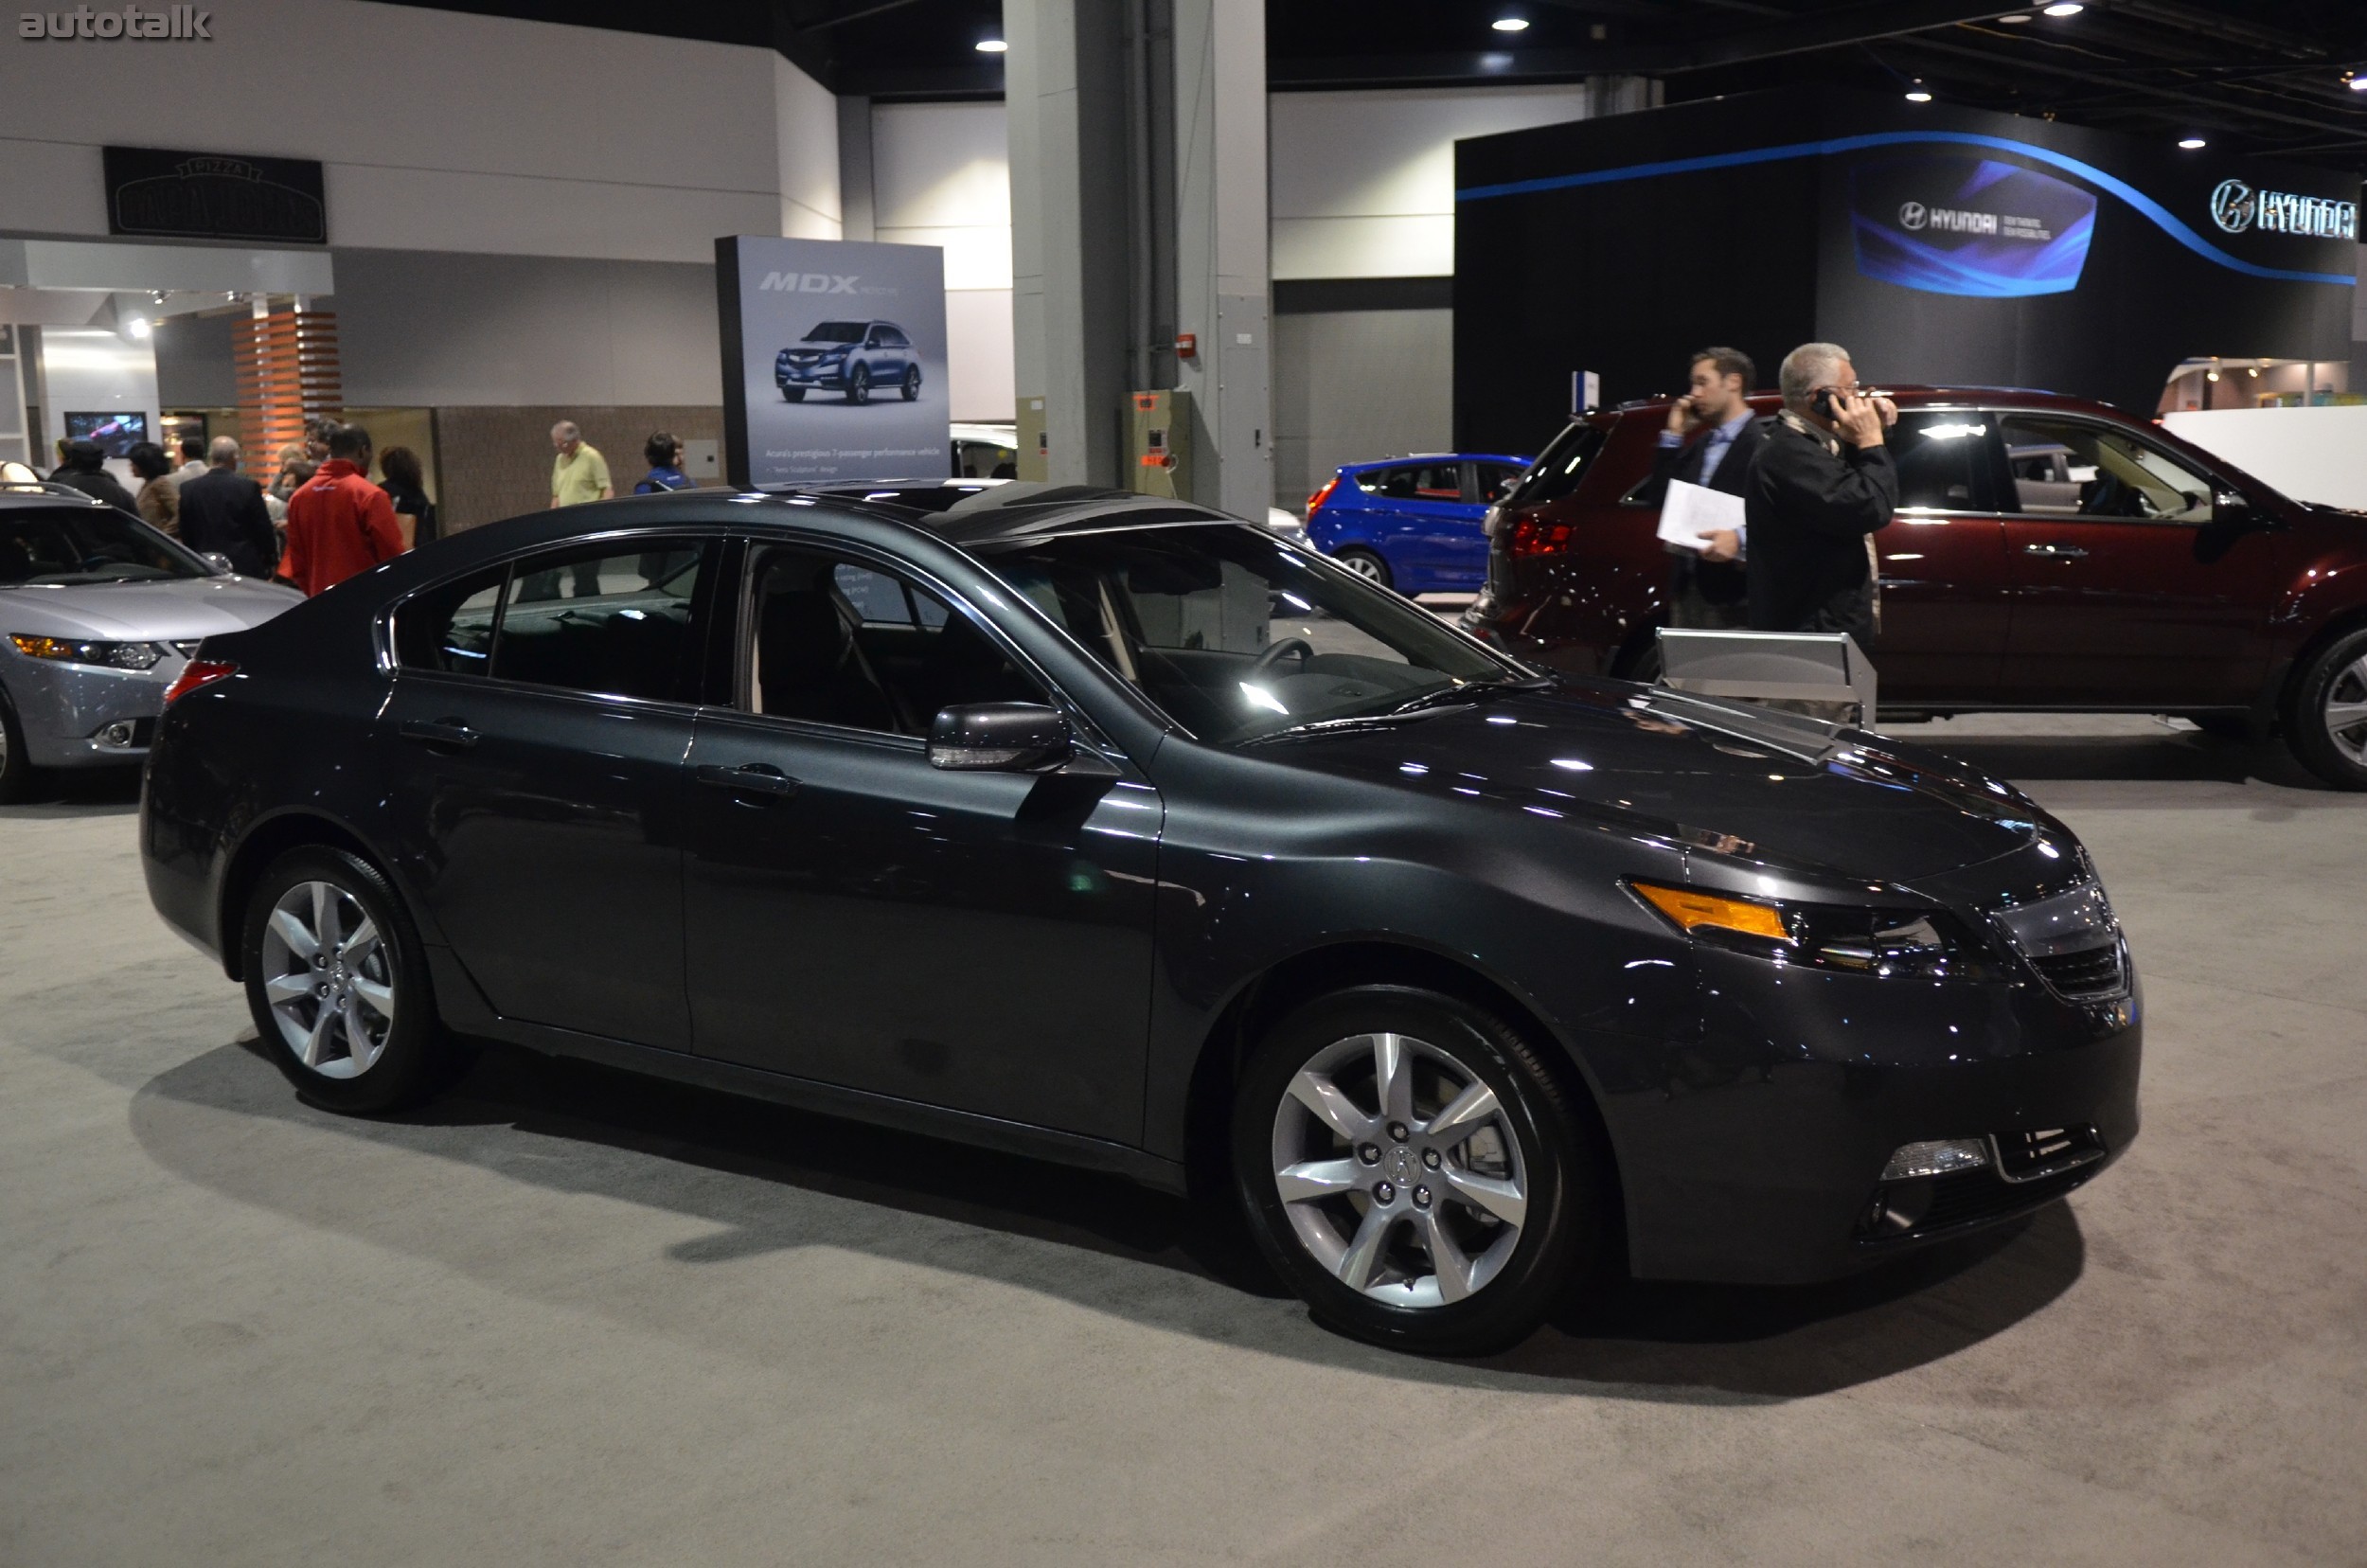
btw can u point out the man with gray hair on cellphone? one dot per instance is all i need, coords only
(1822, 486)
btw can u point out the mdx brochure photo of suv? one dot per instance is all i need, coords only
(853, 358)
(2047, 553)
(1117, 832)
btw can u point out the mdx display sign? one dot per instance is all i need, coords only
(833, 359)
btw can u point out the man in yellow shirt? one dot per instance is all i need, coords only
(579, 473)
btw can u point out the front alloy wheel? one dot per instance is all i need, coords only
(1397, 1170)
(1411, 1168)
(2327, 718)
(859, 384)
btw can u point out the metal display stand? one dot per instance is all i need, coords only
(1758, 667)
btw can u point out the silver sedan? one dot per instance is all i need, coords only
(98, 614)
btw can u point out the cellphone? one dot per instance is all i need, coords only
(1822, 403)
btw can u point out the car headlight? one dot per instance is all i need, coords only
(1904, 943)
(108, 655)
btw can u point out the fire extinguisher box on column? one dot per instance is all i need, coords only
(1159, 444)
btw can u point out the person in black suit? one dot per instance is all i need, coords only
(1711, 439)
(223, 513)
(1821, 488)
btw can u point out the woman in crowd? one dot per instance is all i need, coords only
(160, 495)
(405, 485)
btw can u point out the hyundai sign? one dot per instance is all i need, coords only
(833, 359)
(1969, 226)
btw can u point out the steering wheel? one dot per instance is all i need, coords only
(1272, 656)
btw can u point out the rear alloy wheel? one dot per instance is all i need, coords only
(859, 386)
(1412, 1171)
(338, 985)
(2327, 721)
(1364, 564)
(912, 384)
(19, 779)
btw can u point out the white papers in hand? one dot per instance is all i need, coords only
(1692, 510)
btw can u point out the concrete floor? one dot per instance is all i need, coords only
(563, 1317)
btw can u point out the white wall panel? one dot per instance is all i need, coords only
(941, 175)
(805, 116)
(979, 354)
(1363, 183)
(2310, 453)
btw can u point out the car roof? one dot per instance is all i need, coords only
(16, 494)
(1435, 458)
(967, 512)
(1908, 396)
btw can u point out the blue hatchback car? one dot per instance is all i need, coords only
(1413, 523)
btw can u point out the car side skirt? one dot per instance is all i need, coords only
(831, 1099)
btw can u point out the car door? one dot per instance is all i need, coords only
(1441, 528)
(2132, 589)
(532, 752)
(974, 940)
(1946, 606)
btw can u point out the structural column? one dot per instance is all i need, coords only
(1065, 96)
(1221, 280)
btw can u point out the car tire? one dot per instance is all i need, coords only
(1349, 1202)
(19, 779)
(912, 384)
(1365, 564)
(2326, 721)
(351, 1021)
(792, 393)
(859, 386)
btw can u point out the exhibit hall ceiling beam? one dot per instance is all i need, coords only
(814, 18)
(1833, 29)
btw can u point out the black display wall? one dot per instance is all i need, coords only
(1939, 245)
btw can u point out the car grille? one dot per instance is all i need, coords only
(2072, 941)
(2031, 1156)
(2099, 975)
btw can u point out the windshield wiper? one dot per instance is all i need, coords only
(1470, 691)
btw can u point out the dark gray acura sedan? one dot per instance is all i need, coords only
(1122, 833)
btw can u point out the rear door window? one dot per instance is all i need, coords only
(1944, 460)
(598, 620)
(1562, 464)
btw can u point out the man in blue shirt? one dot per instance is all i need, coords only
(1711, 439)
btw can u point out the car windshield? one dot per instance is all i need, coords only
(1239, 636)
(82, 545)
(837, 331)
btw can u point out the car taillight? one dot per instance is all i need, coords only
(1536, 536)
(1322, 495)
(196, 674)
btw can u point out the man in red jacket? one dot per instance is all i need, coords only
(338, 522)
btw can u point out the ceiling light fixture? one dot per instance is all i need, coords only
(2209, 375)
(137, 327)
(992, 46)
(2190, 143)
(1918, 92)
(2015, 19)
(2253, 372)
(1510, 23)
(2064, 7)
(2356, 83)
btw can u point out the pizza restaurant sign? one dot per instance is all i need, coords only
(181, 22)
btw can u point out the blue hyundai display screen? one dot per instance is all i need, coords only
(1974, 226)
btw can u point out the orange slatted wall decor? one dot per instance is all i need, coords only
(287, 374)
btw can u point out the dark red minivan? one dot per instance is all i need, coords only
(2047, 553)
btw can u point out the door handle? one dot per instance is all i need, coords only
(440, 732)
(756, 778)
(2058, 552)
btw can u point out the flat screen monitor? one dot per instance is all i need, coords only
(115, 433)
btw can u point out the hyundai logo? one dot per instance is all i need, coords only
(2232, 205)
(1911, 215)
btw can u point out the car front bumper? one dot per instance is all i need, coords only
(86, 716)
(1758, 1154)
(827, 378)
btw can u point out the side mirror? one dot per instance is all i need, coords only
(221, 563)
(1000, 737)
(2230, 506)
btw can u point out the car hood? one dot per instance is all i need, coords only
(144, 611)
(1718, 777)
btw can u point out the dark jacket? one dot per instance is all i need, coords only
(1718, 581)
(414, 504)
(100, 483)
(1811, 511)
(223, 513)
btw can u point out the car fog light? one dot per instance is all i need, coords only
(1940, 1157)
(117, 734)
